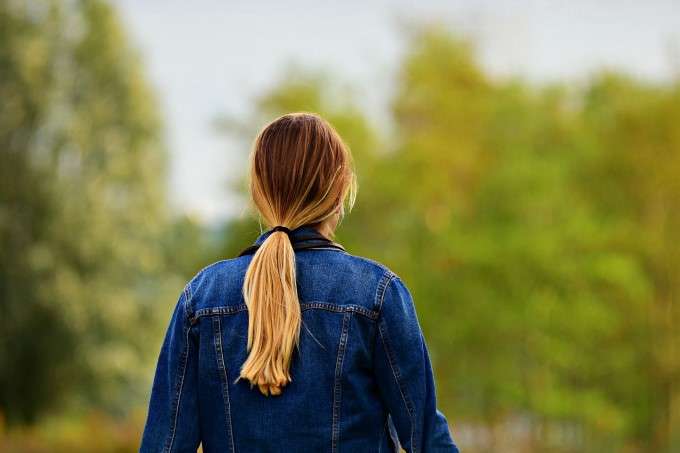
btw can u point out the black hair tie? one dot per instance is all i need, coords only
(281, 228)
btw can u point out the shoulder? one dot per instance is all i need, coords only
(342, 266)
(392, 293)
(217, 283)
(371, 266)
(387, 284)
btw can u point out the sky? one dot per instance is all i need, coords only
(211, 58)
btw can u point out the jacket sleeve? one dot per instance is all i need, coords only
(172, 424)
(404, 375)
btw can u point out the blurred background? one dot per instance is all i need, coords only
(519, 168)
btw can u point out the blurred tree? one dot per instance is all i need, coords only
(635, 181)
(82, 210)
(533, 287)
(537, 229)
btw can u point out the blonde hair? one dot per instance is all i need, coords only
(300, 174)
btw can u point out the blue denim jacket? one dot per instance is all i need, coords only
(361, 380)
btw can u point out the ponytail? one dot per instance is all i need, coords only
(274, 315)
(300, 174)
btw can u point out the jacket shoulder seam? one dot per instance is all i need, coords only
(384, 282)
(188, 296)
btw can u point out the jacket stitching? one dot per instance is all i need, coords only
(217, 326)
(225, 310)
(188, 296)
(340, 308)
(178, 393)
(380, 291)
(337, 391)
(397, 376)
(232, 309)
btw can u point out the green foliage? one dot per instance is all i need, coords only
(537, 228)
(82, 211)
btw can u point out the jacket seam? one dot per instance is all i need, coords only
(233, 309)
(337, 388)
(188, 296)
(217, 330)
(223, 310)
(397, 376)
(384, 282)
(180, 387)
(351, 308)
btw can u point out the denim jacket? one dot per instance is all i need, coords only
(361, 378)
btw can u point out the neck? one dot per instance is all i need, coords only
(327, 228)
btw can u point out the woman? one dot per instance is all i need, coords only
(296, 345)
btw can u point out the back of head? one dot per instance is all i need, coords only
(301, 174)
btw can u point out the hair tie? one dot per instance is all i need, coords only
(281, 228)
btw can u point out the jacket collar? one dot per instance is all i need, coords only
(302, 231)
